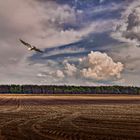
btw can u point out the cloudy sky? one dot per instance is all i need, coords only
(85, 42)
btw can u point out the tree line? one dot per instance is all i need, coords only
(54, 89)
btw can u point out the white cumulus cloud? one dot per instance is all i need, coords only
(101, 67)
(96, 66)
(70, 69)
(60, 74)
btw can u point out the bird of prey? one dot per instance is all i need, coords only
(30, 47)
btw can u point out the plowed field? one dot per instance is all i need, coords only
(69, 117)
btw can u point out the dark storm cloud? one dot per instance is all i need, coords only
(128, 28)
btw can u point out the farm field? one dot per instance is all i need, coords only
(98, 117)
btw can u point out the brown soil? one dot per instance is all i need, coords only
(69, 117)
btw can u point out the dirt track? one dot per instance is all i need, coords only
(69, 118)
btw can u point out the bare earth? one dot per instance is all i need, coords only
(98, 117)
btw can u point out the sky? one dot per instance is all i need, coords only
(85, 42)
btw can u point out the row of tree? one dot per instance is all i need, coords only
(53, 89)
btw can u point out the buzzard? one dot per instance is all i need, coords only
(30, 47)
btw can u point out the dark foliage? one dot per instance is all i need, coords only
(54, 89)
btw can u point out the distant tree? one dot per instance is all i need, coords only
(15, 89)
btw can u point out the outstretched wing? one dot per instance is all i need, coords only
(38, 50)
(25, 43)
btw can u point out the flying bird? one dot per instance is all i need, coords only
(30, 47)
